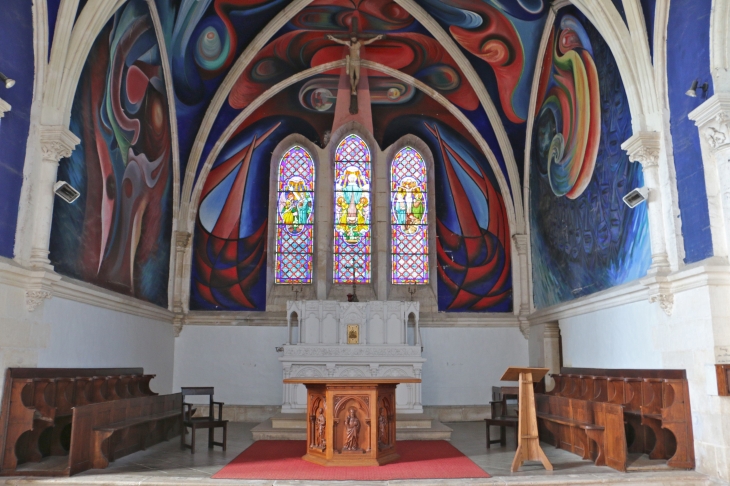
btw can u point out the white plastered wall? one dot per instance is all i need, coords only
(63, 333)
(640, 335)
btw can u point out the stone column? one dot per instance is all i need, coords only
(713, 120)
(644, 147)
(522, 302)
(56, 142)
(179, 304)
(551, 348)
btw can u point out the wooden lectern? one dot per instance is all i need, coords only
(528, 442)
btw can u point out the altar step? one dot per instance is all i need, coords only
(293, 426)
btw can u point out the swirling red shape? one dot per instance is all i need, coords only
(298, 50)
(498, 43)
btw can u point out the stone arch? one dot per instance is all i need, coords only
(720, 45)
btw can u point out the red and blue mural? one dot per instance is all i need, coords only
(584, 238)
(501, 40)
(117, 234)
(472, 231)
(230, 238)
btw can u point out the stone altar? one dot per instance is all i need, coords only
(353, 340)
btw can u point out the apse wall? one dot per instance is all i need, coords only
(584, 239)
(18, 63)
(62, 332)
(462, 364)
(117, 234)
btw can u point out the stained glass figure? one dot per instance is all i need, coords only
(295, 218)
(352, 211)
(409, 218)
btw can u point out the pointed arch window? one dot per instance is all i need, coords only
(295, 218)
(409, 218)
(353, 178)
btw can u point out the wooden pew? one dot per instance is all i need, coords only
(38, 399)
(593, 430)
(105, 431)
(655, 409)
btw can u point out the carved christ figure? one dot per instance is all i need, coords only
(352, 429)
(383, 428)
(353, 59)
(321, 422)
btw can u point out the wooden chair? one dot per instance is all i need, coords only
(209, 422)
(500, 419)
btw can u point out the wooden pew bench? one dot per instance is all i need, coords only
(36, 419)
(655, 407)
(109, 430)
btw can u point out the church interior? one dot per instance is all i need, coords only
(415, 238)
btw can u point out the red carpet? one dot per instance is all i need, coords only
(282, 459)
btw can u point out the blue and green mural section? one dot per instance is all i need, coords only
(584, 238)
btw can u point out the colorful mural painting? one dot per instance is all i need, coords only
(584, 238)
(353, 176)
(230, 241)
(472, 231)
(230, 274)
(117, 234)
(409, 218)
(295, 218)
(501, 40)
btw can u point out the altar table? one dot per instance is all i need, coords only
(351, 421)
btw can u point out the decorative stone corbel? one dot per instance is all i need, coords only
(178, 321)
(713, 120)
(4, 107)
(660, 291)
(39, 288)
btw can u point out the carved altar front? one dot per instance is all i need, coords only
(353, 340)
(351, 422)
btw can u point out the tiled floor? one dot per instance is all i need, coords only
(165, 464)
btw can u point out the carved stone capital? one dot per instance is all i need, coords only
(182, 238)
(57, 142)
(713, 119)
(643, 147)
(34, 298)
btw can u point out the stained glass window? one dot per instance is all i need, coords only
(352, 211)
(409, 218)
(295, 218)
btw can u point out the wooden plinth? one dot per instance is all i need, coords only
(351, 422)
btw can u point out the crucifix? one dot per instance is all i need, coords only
(353, 41)
(354, 280)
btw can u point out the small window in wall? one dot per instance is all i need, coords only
(295, 218)
(409, 218)
(352, 211)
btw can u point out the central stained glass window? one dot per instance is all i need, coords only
(295, 218)
(409, 218)
(352, 245)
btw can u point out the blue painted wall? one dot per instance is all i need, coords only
(688, 58)
(16, 61)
